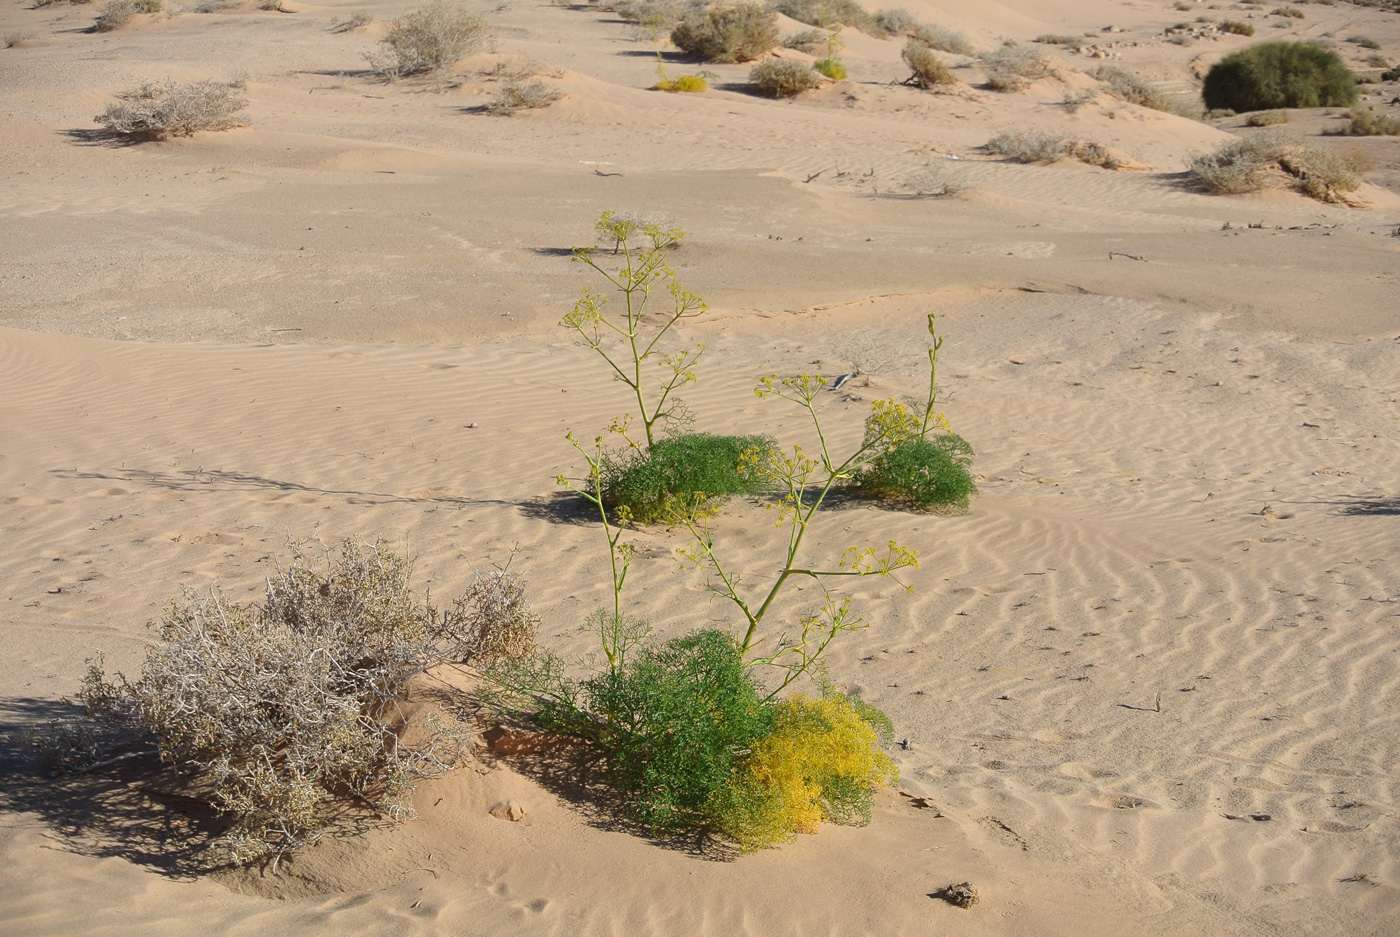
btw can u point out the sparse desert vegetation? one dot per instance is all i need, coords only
(928, 72)
(737, 32)
(1013, 67)
(157, 110)
(1272, 156)
(777, 78)
(431, 39)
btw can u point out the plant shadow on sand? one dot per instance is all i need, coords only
(132, 808)
(574, 773)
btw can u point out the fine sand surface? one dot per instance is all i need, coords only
(1176, 597)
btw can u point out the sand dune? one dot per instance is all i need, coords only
(1174, 599)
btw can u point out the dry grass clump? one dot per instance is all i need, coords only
(657, 14)
(1266, 118)
(928, 71)
(1030, 146)
(157, 110)
(1131, 88)
(1238, 27)
(738, 32)
(117, 13)
(287, 714)
(779, 78)
(943, 39)
(12, 39)
(358, 20)
(1013, 67)
(522, 95)
(930, 181)
(828, 13)
(428, 40)
(1254, 162)
(894, 22)
(1363, 123)
(810, 41)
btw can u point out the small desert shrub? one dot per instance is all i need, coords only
(692, 83)
(1013, 67)
(1070, 42)
(117, 13)
(517, 95)
(1092, 153)
(810, 41)
(1131, 88)
(428, 40)
(821, 761)
(660, 14)
(828, 13)
(1238, 27)
(289, 713)
(674, 723)
(1392, 75)
(778, 78)
(1289, 13)
(831, 68)
(1272, 75)
(157, 110)
(894, 22)
(727, 33)
(1365, 42)
(1074, 100)
(12, 39)
(925, 472)
(928, 71)
(932, 181)
(1266, 118)
(681, 475)
(943, 39)
(1027, 146)
(1363, 123)
(1250, 163)
(358, 20)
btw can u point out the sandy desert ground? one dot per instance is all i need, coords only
(1175, 598)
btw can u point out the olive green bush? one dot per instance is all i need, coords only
(737, 32)
(1364, 123)
(1273, 75)
(927, 72)
(927, 473)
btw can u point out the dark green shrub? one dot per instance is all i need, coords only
(779, 78)
(1272, 75)
(680, 475)
(927, 472)
(731, 33)
(673, 724)
(1392, 74)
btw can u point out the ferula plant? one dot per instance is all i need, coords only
(629, 340)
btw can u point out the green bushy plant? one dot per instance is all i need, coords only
(289, 713)
(682, 83)
(1273, 75)
(431, 39)
(779, 78)
(678, 476)
(737, 32)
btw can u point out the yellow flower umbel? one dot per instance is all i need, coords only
(821, 762)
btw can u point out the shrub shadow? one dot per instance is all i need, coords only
(83, 136)
(1370, 507)
(574, 774)
(561, 507)
(131, 810)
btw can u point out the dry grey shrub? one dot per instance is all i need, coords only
(810, 41)
(928, 71)
(157, 110)
(942, 38)
(1266, 118)
(289, 713)
(1030, 146)
(515, 95)
(726, 32)
(1254, 162)
(117, 13)
(1013, 67)
(428, 40)
(780, 78)
(932, 181)
(1074, 100)
(12, 39)
(359, 20)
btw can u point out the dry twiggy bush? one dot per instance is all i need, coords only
(1013, 67)
(515, 95)
(928, 71)
(780, 78)
(434, 38)
(157, 110)
(286, 715)
(117, 13)
(1251, 163)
